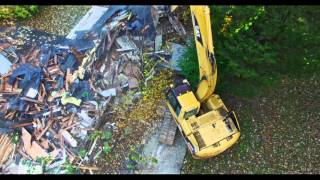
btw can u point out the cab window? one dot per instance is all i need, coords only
(173, 102)
(190, 113)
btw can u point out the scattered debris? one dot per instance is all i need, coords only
(55, 94)
(68, 138)
(133, 83)
(24, 167)
(108, 92)
(126, 45)
(178, 27)
(158, 42)
(5, 64)
(177, 51)
(6, 148)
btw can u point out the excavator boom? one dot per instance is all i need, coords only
(203, 40)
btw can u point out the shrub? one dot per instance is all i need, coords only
(17, 12)
(257, 43)
(189, 64)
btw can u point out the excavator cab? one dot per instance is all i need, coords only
(182, 101)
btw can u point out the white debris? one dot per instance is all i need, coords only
(125, 49)
(5, 65)
(86, 121)
(125, 43)
(102, 68)
(24, 167)
(108, 92)
(112, 125)
(69, 139)
(94, 103)
(32, 93)
(158, 42)
(87, 21)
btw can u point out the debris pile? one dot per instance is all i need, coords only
(42, 94)
(53, 95)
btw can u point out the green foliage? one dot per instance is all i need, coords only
(106, 148)
(82, 153)
(15, 138)
(69, 168)
(148, 64)
(29, 164)
(256, 44)
(95, 134)
(237, 48)
(17, 12)
(189, 64)
(44, 160)
(107, 135)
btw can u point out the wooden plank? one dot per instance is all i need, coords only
(22, 125)
(71, 119)
(31, 100)
(46, 128)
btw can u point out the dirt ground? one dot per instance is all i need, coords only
(57, 20)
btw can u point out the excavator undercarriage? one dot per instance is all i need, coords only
(168, 129)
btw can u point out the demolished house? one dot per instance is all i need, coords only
(51, 96)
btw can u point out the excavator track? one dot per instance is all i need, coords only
(168, 129)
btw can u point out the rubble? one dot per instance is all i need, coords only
(177, 51)
(33, 149)
(108, 92)
(5, 64)
(54, 94)
(133, 83)
(24, 167)
(126, 45)
(178, 27)
(158, 42)
(6, 148)
(68, 138)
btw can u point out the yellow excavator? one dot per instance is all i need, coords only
(206, 124)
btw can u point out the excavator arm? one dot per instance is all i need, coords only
(203, 40)
(205, 51)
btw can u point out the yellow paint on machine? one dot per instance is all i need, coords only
(208, 127)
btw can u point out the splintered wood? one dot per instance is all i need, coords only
(6, 148)
(33, 149)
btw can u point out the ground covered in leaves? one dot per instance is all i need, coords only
(57, 20)
(134, 121)
(280, 132)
